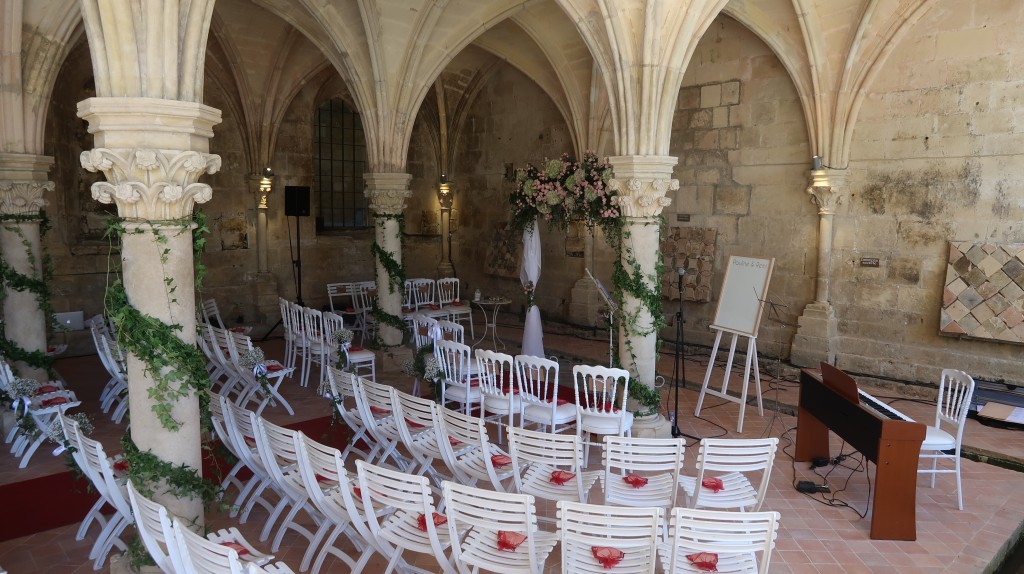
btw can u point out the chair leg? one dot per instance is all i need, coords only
(959, 485)
(935, 465)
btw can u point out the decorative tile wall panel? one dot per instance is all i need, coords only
(983, 296)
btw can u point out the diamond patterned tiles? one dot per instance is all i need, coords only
(694, 249)
(984, 293)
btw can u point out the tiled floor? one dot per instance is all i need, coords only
(814, 536)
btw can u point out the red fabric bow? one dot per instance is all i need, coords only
(500, 460)
(272, 368)
(237, 329)
(354, 348)
(560, 402)
(509, 541)
(121, 465)
(350, 309)
(54, 401)
(607, 556)
(251, 441)
(704, 561)
(560, 477)
(608, 408)
(322, 478)
(46, 389)
(454, 441)
(439, 519)
(379, 410)
(435, 307)
(356, 491)
(241, 550)
(635, 481)
(413, 425)
(456, 303)
(712, 483)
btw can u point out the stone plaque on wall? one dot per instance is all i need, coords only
(692, 248)
(983, 296)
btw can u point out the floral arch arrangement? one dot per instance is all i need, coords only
(564, 190)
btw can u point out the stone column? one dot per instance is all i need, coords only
(817, 330)
(152, 153)
(264, 188)
(446, 197)
(387, 193)
(22, 184)
(641, 183)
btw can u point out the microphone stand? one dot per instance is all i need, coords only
(679, 366)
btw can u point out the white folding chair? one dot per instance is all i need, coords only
(452, 331)
(456, 384)
(73, 436)
(220, 431)
(342, 388)
(202, 556)
(954, 400)
(410, 497)
(601, 402)
(709, 540)
(355, 359)
(374, 403)
(495, 531)
(290, 332)
(538, 389)
(423, 298)
(498, 392)
(425, 331)
(317, 343)
(642, 471)
(330, 489)
(43, 410)
(238, 425)
(414, 419)
(211, 314)
(468, 453)
(553, 465)
(101, 474)
(448, 298)
(276, 448)
(598, 539)
(720, 480)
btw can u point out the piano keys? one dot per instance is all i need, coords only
(830, 401)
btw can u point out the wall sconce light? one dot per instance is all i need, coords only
(445, 194)
(266, 186)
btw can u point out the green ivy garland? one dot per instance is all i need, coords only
(37, 283)
(177, 369)
(396, 275)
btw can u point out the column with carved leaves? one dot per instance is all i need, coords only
(23, 181)
(641, 183)
(152, 153)
(387, 193)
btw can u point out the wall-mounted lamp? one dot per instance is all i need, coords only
(445, 194)
(266, 186)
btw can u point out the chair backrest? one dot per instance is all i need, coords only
(318, 467)
(600, 389)
(658, 460)
(422, 329)
(211, 313)
(422, 292)
(243, 435)
(338, 291)
(727, 455)
(401, 492)
(156, 530)
(364, 293)
(452, 360)
(452, 331)
(374, 403)
(495, 372)
(447, 290)
(481, 514)
(735, 537)
(633, 531)
(200, 556)
(313, 326)
(286, 323)
(295, 318)
(114, 489)
(954, 401)
(276, 447)
(557, 450)
(537, 378)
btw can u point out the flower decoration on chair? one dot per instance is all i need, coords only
(256, 361)
(56, 434)
(424, 367)
(562, 190)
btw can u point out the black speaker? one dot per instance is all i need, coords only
(296, 201)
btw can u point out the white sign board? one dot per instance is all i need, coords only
(743, 295)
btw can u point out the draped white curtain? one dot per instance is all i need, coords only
(533, 335)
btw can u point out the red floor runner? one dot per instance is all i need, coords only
(56, 500)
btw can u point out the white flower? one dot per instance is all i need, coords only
(20, 387)
(343, 336)
(250, 359)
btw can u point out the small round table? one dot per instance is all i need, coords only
(491, 324)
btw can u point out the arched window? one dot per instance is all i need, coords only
(339, 158)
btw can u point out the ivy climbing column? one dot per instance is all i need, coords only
(641, 183)
(23, 181)
(152, 153)
(387, 193)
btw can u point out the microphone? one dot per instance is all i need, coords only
(682, 271)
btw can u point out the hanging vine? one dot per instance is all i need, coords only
(395, 271)
(177, 368)
(37, 282)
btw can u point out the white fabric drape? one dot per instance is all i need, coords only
(533, 335)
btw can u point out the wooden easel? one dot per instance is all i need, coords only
(740, 304)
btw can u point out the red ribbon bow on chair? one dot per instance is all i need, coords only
(704, 561)
(607, 556)
(509, 541)
(635, 481)
(712, 483)
(439, 519)
(560, 477)
(500, 460)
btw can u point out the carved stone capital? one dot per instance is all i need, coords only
(642, 198)
(23, 197)
(642, 183)
(149, 183)
(823, 194)
(387, 192)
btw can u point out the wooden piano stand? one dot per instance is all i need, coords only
(894, 446)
